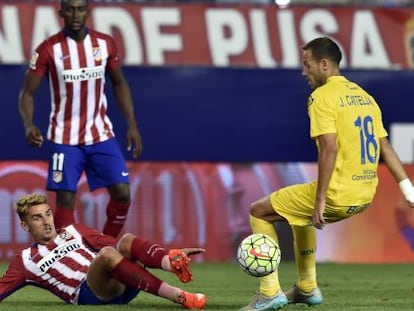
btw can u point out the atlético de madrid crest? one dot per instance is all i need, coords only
(57, 176)
(97, 55)
(65, 235)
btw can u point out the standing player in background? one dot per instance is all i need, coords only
(346, 124)
(80, 134)
(84, 267)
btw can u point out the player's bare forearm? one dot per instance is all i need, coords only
(326, 163)
(26, 98)
(391, 160)
(124, 99)
(26, 108)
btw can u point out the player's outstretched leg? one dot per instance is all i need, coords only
(262, 303)
(179, 259)
(312, 298)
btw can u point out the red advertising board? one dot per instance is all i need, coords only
(263, 36)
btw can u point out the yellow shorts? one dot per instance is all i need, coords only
(296, 203)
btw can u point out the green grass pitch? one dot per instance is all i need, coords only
(344, 286)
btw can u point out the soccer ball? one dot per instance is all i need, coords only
(258, 255)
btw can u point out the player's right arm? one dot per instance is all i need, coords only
(31, 84)
(38, 68)
(13, 279)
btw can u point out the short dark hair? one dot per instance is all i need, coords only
(64, 2)
(324, 47)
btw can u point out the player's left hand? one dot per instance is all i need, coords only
(34, 136)
(318, 220)
(134, 142)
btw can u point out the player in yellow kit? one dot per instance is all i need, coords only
(346, 124)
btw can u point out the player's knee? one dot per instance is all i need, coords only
(65, 199)
(125, 243)
(263, 209)
(258, 209)
(120, 193)
(108, 255)
(126, 240)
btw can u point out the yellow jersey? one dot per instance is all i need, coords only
(344, 108)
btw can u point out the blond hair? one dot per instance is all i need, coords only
(29, 200)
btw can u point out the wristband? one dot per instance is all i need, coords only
(406, 188)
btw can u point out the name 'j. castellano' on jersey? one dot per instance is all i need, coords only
(355, 100)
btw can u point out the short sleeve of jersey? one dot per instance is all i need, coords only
(382, 131)
(95, 239)
(39, 61)
(113, 57)
(321, 115)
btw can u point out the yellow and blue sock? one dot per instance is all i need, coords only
(269, 284)
(305, 256)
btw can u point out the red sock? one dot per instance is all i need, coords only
(63, 217)
(116, 213)
(148, 253)
(133, 275)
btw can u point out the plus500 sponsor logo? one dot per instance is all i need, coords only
(83, 74)
(56, 254)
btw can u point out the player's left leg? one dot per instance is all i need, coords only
(305, 255)
(106, 167)
(153, 255)
(296, 203)
(306, 289)
(100, 274)
(117, 208)
(110, 273)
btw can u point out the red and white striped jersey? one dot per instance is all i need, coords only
(76, 80)
(59, 266)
